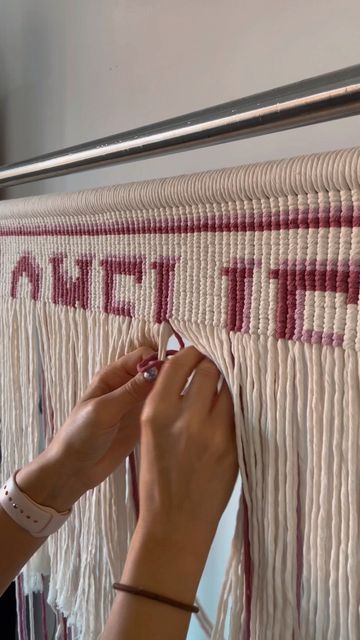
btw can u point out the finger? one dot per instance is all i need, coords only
(223, 406)
(200, 394)
(114, 405)
(175, 372)
(116, 374)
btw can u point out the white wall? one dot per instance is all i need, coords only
(75, 70)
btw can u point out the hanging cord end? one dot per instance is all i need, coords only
(151, 366)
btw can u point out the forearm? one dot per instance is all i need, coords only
(44, 483)
(166, 566)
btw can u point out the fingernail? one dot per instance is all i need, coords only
(151, 374)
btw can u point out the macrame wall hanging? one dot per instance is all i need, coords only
(259, 267)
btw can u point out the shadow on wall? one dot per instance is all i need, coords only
(2, 121)
(32, 85)
(2, 144)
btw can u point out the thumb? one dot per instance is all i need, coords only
(134, 391)
(118, 402)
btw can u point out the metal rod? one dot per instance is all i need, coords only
(322, 98)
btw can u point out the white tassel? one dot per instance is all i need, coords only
(297, 410)
(94, 541)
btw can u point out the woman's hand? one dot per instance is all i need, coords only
(100, 432)
(188, 471)
(188, 449)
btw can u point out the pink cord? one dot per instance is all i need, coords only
(134, 483)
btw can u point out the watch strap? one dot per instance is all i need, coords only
(38, 520)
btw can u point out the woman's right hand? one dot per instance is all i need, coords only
(188, 450)
(188, 471)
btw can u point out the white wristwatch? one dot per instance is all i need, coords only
(38, 520)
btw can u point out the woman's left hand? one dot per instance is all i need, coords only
(100, 432)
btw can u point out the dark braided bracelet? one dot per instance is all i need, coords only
(155, 596)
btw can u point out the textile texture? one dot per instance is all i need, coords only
(259, 267)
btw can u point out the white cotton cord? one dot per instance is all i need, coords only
(300, 425)
(345, 519)
(353, 560)
(324, 541)
(315, 440)
(232, 591)
(255, 361)
(36, 567)
(256, 364)
(270, 487)
(281, 611)
(232, 583)
(39, 564)
(338, 419)
(31, 616)
(271, 379)
(318, 435)
(114, 523)
(237, 595)
(19, 388)
(221, 615)
(291, 490)
(59, 632)
(19, 604)
(307, 566)
(262, 373)
(251, 393)
(203, 619)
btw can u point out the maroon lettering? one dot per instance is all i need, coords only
(310, 275)
(113, 267)
(164, 288)
(69, 291)
(353, 283)
(28, 267)
(240, 276)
